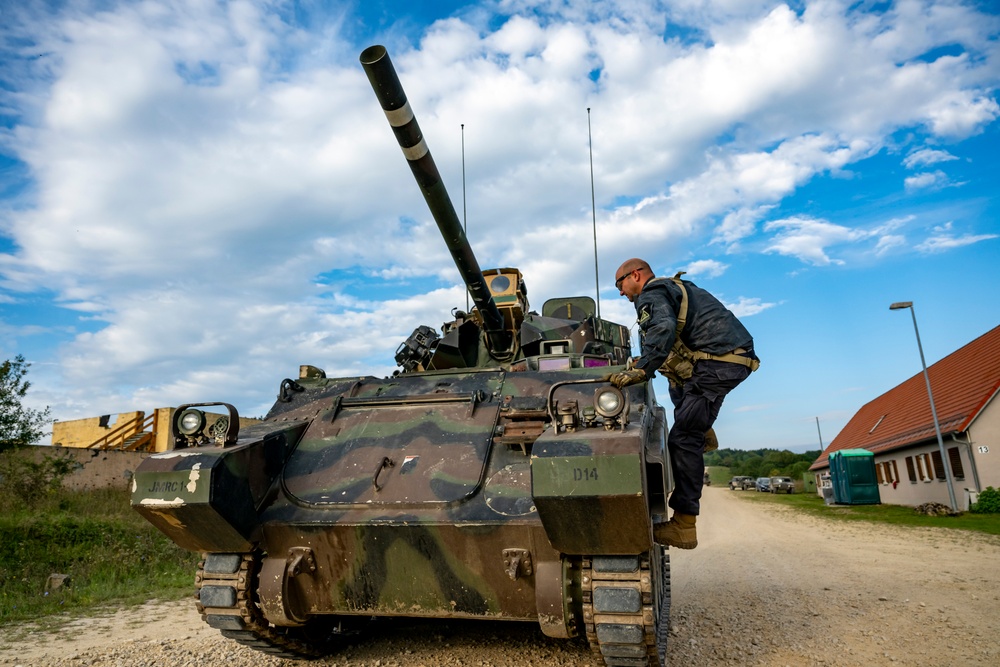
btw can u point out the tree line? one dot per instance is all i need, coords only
(763, 462)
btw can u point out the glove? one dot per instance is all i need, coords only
(625, 378)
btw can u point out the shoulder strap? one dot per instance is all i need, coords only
(683, 313)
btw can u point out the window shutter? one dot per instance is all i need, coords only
(878, 473)
(956, 463)
(938, 464)
(910, 470)
(895, 471)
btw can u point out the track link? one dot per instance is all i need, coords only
(226, 599)
(626, 608)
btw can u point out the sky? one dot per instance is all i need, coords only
(196, 197)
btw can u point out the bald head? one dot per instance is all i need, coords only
(631, 276)
(634, 264)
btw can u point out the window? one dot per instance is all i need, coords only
(910, 470)
(925, 470)
(956, 463)
(887, 472)
(938, 464)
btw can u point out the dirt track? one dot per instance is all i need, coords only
(765, 586)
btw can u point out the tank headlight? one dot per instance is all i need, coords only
(191, 422)
(609, 401)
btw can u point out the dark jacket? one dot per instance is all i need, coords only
(711, 327)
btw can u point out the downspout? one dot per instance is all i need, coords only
(972, 459)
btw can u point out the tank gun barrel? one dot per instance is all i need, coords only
(388, 90)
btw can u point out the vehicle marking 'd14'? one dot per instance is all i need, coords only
(585, 476)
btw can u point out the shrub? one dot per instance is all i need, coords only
(30, 481)
(989, 502)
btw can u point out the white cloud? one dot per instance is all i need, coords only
(961, 113)
(943, 238)
(924, 180)
(808, 239)
(739, 224)
(888, 242)
(926, 157)
(706, 267)
(745, 307)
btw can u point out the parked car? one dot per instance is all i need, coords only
(782, 485)
(740, 482)
(763, 483)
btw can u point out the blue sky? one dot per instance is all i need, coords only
(196, 197)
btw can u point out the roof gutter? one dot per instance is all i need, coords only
(972, 459)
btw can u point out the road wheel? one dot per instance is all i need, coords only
(227, 601)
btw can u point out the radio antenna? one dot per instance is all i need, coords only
(465, 221)
(593, 211)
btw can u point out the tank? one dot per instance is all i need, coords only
(497, 475)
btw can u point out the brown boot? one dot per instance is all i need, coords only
(678, 532)
(711, 441)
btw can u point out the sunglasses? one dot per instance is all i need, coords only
(618, 283)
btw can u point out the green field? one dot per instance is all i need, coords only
(112, 555)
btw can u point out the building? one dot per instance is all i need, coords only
(107, 449)
(127, 431)
(898, 428)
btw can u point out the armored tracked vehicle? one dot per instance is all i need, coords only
(497, 475)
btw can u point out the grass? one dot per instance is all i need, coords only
(112, 556)
(720, 476)
(899, 515)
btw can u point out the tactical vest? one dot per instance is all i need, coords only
(679, 365)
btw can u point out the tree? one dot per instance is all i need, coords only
(19, 425)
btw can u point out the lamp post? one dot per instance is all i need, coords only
(899, 305)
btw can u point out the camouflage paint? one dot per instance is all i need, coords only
(450, 504)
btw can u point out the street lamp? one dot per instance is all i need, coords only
(899, 305)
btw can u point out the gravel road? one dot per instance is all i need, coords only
(766, 586)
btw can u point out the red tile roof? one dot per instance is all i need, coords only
(963, 383)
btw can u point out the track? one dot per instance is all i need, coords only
(626, 608)
(227, 584)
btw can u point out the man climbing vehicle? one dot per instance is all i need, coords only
(705, 352)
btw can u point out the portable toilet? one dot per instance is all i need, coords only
(852, 473)
(808, 482)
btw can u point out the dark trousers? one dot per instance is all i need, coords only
(696, 405)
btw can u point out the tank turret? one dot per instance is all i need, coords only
(510, 331)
